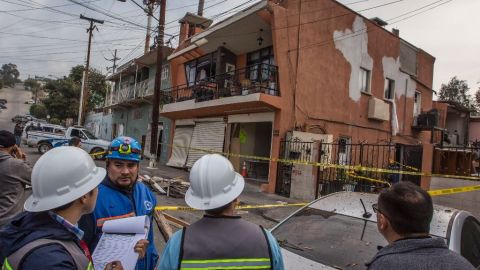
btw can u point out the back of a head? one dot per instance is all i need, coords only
(408, 208)
(213, 183)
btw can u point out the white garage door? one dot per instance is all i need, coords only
(181, 142)
(206, 136)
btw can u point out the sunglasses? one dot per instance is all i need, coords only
(375, 208)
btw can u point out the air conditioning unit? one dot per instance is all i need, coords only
(378, 109)
(427, 120)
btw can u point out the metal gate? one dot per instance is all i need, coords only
(329, 180)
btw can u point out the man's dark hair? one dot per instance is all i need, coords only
(218, 211)
(408, 208)
(74, 141)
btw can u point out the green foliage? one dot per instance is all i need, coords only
(64, 94)
(9, 74)
(55, 121)
(30, 84)
(457, 91)
(63, 99)
(39, 111)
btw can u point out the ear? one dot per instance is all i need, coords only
(83, 199)
(383, 222)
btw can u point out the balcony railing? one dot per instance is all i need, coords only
(258, 78)
(140, 90)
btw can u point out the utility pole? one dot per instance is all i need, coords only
(84, 96)
(149, 26)
(114, 60)
(158, 85)
(201, 3)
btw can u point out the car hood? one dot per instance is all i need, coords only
(294, 261)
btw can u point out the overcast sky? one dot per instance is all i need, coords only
(46, 37)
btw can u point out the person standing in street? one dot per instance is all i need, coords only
(75, 141)
(14, 177)
(121, 195)
(64, 182)
(220, 240)
(404, 212)
(17, 132)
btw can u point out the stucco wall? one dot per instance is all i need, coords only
(100, 125)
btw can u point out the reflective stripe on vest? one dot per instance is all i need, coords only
(257, 263)
(224, 243)
(15, 259)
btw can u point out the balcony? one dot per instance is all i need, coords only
(260, 78)
(132, 94)
(252, 88)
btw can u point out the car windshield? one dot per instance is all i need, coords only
(89, 134)
(329, 238)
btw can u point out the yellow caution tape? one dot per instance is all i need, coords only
(356, 168)
(351, 174)
(186, 208)
(447, 191)
(405, 166)
(98, 154)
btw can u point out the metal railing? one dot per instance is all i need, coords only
(140, 90)
(258, 78)
(457, 160)
(329, 180)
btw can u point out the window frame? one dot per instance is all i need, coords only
(389, 85)
(417, 103)
(368, 80)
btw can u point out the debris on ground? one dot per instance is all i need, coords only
(165, 222)
(174, 187)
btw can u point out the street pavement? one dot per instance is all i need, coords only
(16, 98)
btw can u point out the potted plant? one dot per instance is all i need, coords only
(347, 180)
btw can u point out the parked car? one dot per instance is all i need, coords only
(2, 100)
(22, 118)
(30, 101)
(334, 232)
(90, 143)
(2, 106)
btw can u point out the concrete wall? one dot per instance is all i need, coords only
(474, 130)
(100, 125)
(468, 201)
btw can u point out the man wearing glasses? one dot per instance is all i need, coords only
(404, 213)
(120, 195)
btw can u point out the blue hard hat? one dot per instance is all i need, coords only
(125, 148)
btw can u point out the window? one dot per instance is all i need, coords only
(201, 69)
(470, 245)
(256, 71)
(364, 80)
(389, 88)
(417, 105)
(164, 72)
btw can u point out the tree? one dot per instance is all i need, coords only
(30, 84)
(9, 74)
(63, 99)
(39, 111)
(457, 91)
(97, 85)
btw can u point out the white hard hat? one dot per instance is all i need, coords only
(213, 183)
(61, 176)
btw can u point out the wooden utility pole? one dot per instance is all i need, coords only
(158, 85)
(114, 60)
(84, 96)
(201, 3)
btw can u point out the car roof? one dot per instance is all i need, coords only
(43, 124)
(348, 203)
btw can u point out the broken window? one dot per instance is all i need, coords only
(201, 69)
(389, 88)
(364, 80)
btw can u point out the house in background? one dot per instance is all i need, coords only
(288, 71)
(455, 120)
(128, 105)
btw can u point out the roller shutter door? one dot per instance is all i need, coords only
(206, 135)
